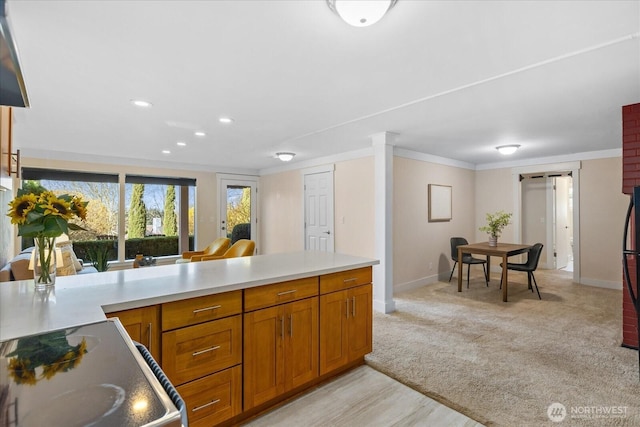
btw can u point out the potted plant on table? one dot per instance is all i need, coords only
(496, 222)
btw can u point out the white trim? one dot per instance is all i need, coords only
(414, 155)
(419, 283)
(318, 169)
(340, 157)
(548, 167)
(587, 155)
(574, 167)
(601, 283)
(252, 181)
(115, 161)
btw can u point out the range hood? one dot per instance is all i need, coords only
(13, 91)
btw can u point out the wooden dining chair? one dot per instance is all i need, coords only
(466, 259)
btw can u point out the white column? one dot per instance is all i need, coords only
(383, 273)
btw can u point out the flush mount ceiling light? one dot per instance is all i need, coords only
(166, 152)
(181, 144)
(508, 149)
(141, 103)
(199, 133)
(361, 13)
(285, 157)
(225, 120)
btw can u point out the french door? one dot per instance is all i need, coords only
(238, 207)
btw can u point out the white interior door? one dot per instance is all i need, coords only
(238, 205)
(562, 229)
(318, 211)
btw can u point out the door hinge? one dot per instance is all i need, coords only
(555, 254)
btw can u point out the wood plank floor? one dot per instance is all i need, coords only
(363, 397)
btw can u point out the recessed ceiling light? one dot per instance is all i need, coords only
(166, 152)
(199, 133)
(226, 120)
(507, 149)
(141, 103)
(181, 144)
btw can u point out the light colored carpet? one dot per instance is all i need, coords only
(503, 364)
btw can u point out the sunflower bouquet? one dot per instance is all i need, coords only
(43, 356)
(44, 217)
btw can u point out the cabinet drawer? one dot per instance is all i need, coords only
(214, 398)
(201, 309)
(344, 280)
(278, 293)
(195, 351)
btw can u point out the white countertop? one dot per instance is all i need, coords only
(77, 300)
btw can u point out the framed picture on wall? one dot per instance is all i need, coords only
(439, 203)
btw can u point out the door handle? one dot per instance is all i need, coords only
(327, 232)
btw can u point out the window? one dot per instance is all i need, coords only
(157, 223)
(158, 214)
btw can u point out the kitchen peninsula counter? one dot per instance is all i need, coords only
(78, 300)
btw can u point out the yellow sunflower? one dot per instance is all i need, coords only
(21, 372)
(53, 205)
(20, 207)
(80, 207)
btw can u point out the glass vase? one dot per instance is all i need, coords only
(44, 262)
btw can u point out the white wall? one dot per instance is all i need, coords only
(421, 248)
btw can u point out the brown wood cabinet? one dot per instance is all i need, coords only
(214, 398)
(280, 349)
(345, 318)
(231, 355)
(202, 355)
(5, 141)
(143, 326)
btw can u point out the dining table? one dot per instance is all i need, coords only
(501, 250)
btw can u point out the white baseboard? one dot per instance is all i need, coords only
(601, 283)
(424, 281)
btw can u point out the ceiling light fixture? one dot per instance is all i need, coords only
(285, 157)
(181, 144)
(508, 149)
(225, 120)
(166, 152)
(199, 133)
(361, 13)
(141, 103)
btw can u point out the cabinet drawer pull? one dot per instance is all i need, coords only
(353, 279)
(196, 353)
(282, 327)
(287, 292)
(290, 325)
(197, 408)
(199, 310)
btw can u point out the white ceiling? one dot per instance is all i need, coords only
(450, 78)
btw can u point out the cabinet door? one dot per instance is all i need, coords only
(333, 331)
(301, 357)
(360, 324)
(143, 326)
(263, 355)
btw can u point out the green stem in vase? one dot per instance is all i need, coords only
(45, 252)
